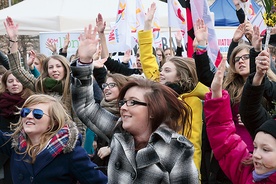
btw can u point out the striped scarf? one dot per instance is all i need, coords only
(56, 144)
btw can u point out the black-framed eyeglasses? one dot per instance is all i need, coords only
(37, 113)
(131, 103)
(110, 85)
(243, 57)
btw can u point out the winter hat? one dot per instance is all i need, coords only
(268, 127)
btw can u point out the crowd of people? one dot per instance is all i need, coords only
(166, 119)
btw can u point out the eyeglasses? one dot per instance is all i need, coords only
(110, 85)
(131, 103)
(37, 113)
(243, 57)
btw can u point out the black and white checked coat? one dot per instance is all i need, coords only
(168, 157)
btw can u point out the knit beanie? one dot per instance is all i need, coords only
(268, 127)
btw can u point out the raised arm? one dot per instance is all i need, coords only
(204, 73)
(253, 114)
(101, 24)
(228, 147)
(148, 60)
(89, 112)
(26, 79)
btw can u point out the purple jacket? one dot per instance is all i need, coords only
(228, 147)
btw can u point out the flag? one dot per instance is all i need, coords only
(179, 16)
(140, 21)
(259, 21)
(176, 15)
(140, 15)
(248, 10)
(119, 38)
(157, 41)
(201, 10)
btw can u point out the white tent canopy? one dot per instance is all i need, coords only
(35, 16)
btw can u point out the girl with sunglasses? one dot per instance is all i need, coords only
(12, 96)
(45, 146)
(144, 138)
(54, 79)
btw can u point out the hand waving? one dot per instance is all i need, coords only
(100, 23)
(11, 28)
(216, 86)
(88, 44)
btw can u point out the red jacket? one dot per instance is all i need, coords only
(228, 147)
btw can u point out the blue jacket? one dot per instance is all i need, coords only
(68, 166)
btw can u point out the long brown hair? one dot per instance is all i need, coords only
(66, 95)
(233, 81)
(26, 92)
(163, 104)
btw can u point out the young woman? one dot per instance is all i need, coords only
(45, 146)
(180, 74)
(111, 89)
(12, 97)
(55, 76)
(229, 149)
(149, 118)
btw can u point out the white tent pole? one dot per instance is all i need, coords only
(9, 3)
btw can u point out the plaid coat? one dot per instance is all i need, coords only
(168, 157)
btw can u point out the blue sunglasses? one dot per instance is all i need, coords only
(37, 113)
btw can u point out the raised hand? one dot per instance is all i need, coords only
(100, 23)
(256, 39)
(98, 52)
(248, 30)
(238, 34)
(127, 56)
(216, 86)
(262, 65)
(88, 44)
(51, 46)
(149, 16)
(178, 38)
(11, 29)
(201, 32)
(66, 41)
(30, 61)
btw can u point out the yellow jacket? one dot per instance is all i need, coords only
(194, 100)
(148, 60)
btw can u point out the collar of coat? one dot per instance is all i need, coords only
(65, 140)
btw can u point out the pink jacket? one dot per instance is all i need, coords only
(228, 147)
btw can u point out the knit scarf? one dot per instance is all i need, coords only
(110, 106)
(259, 177)
(56, 144)
(52, 85)
(9, 103)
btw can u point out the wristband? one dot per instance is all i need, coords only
(201, 47)
(13, 41)
(85, 63)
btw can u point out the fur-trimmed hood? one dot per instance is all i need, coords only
(65, 140)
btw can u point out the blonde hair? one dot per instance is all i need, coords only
(186, 71)
(58, 118)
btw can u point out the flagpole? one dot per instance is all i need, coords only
(170, 40)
